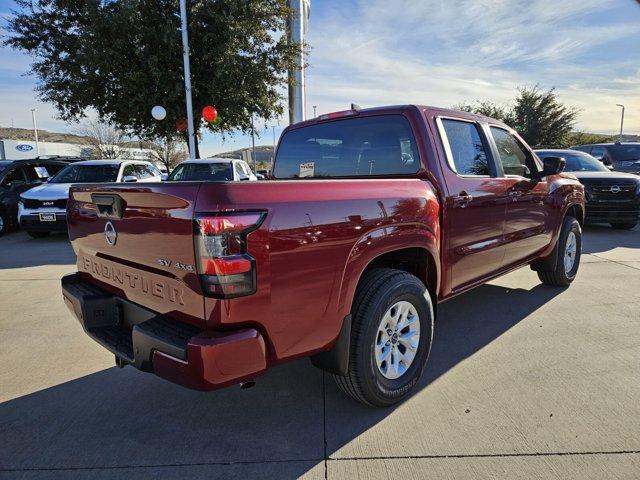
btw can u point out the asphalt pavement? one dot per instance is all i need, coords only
(524, 381)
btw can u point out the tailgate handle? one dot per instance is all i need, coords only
(109, 206)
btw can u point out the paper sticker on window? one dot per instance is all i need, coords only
(307, 169)
(42, 172)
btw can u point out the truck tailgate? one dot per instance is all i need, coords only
(137, 242)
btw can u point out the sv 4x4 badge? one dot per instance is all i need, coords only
(179, 265)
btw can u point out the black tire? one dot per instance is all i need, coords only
(34, 234)
(624, 226)
(4, 223)
(379, 290)
(559, 277)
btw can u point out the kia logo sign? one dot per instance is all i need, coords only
(23, 147)
(615, 189)
(110, 234)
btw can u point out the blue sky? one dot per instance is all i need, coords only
(376, 52)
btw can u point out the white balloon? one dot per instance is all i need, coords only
(158, 112)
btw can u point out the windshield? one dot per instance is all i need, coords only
(87, 174)
(3, 166)
(577, 161)
(622, 153)
(186, 172)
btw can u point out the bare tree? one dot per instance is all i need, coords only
(169, 151)
(105, 140)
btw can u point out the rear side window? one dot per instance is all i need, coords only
(467, 153)
(367, 146)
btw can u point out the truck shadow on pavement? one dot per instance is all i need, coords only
(602, 238)
(117, 423)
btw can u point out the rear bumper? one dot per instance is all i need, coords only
(161, 345)
(32, 223)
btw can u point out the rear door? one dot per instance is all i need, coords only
(136, 241)
(527, 227)
(475, 203)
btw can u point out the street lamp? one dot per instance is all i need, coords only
(621, 120)
(35, 131)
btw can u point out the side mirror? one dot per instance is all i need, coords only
(130, 178)
(553, 165)
(164, 177)
(244, 178)
(606, 161)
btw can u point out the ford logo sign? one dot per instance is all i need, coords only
(23, 147)
(615, 189)
(110, 234)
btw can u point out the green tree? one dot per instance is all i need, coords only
(541, 119)
(122, 57)
(488, 109)
(537, 115)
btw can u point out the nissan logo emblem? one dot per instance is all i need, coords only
(110, 233)
(615, 189)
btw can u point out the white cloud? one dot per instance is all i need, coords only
(443, 53)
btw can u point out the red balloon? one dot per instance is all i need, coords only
(181, 125)
(209, 113)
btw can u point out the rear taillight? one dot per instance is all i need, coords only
(225, 268)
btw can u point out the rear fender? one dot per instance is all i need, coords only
(380, 242)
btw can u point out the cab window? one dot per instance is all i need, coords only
(514, 157)
(465, 148)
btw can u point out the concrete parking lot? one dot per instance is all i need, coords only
(524, 381)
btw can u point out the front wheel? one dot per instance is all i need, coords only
(391, 337)
(569, 250)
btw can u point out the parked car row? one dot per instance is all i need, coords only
(34, 193)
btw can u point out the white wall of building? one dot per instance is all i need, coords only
(25, 149)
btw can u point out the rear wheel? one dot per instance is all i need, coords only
(33, 234)
(624, 225)
(390, 338)
(568, 257)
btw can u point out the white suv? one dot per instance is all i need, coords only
(43, 209)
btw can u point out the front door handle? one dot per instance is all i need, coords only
(462, 200)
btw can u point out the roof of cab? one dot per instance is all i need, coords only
(430, 110)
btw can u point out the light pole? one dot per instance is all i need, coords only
(187, 79)
(35, 131)
(621, 120)
(314, 111)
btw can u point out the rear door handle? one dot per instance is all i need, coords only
(462, 200)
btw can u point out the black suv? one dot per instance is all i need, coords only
(624, 157)
(611, 197)
(17, 177)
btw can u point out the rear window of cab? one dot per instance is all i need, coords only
(354, 147)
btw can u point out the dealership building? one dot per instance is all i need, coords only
(26, 149)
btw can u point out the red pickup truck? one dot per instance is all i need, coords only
(371, 219)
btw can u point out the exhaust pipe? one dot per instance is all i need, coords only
(247, 385)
